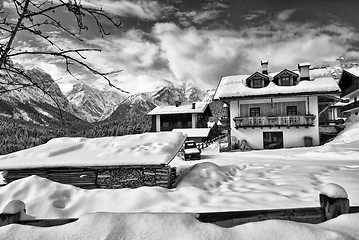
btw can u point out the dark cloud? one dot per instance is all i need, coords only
(199, 41)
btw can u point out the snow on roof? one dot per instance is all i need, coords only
(235, 86)
(354, 71)
(194, 132)
(138, 149)
(304, 64)
(200, 107)
(340, 104)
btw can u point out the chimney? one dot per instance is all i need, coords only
(177, 103)
(193, 105)
(304, 71)
(264, 66)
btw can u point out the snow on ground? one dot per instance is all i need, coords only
(182, 226)
(268, 179)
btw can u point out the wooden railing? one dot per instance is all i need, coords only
(203, 145)
(329, 208)
(272, 121)
(311, 215)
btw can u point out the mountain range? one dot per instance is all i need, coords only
(45, 104)
(84, 104)
(91, 104)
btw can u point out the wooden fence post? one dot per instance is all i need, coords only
(334, 199)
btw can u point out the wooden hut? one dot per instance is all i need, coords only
(111, 162)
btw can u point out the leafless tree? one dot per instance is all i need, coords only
(32, 17)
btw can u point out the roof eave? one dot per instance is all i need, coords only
(278, 95)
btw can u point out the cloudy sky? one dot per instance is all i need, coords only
(198, 41)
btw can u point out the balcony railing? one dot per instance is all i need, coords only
(350, 106)
(274, 121)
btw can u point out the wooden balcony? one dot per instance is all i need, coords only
(350, 106)
(275, 121)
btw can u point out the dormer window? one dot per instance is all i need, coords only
(257, 83)
(285, 78)
(285, 81)
(257, 80)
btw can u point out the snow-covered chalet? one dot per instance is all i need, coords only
(276, 110)
(349, 84)
(180, 116)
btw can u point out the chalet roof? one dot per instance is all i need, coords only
(193, 132)
(200, 107)
(354, 71)
(235, 86)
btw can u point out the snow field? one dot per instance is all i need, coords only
(285, 178)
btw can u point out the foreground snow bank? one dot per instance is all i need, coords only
(345, 146)
(208, 176)
(160, 226)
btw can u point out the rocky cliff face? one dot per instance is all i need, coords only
(43, 104)
(92, 104)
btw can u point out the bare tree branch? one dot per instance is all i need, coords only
(12, 37)
(33, 17)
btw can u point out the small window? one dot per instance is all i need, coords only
(355, 99)
(292, 110)
(179, 124)
(285, 81)
(257, 83)
(165, 124)
(254, 112)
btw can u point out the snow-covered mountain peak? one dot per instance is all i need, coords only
(92, 104)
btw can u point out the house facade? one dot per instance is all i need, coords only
(276, 110)
(349, 84)
(178, 116)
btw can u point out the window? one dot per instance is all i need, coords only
(165, 124)
(355, 99)
(285, 81)
(257, 83)
(292, 110)
(254, 112)
(179, 124)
